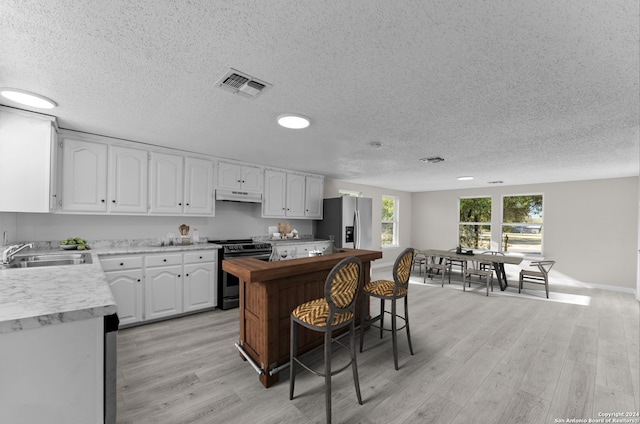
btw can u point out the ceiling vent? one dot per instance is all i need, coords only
(434, 159)
(242, 84)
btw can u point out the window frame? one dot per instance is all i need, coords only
(523, 224)
(488, 223)
(394, 222)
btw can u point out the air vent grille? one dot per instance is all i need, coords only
(242, 84)
(434, 159)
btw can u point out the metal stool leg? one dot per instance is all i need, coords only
(292, 355)
(327, 374)
(406, 318)
(394, 335)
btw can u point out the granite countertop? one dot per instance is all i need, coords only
(36, 297)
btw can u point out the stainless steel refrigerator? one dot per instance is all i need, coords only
(349, 220)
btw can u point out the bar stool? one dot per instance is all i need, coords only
(390, 290)
(333, 311)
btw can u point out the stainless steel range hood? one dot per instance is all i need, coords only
(238, 196)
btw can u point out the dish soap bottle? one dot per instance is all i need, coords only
(195, 236)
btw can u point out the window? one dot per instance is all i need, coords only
(474, 226)
(522, 223)
(389, 231)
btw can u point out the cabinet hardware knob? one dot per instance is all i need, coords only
(102, 200)
(164, 260)
(200, 257)
(185, 274)
(187, 204)
(121, 263)
(179, 204)
(113, 201)
(138, 280)
(178, 275)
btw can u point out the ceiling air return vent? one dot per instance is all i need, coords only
(242, 84)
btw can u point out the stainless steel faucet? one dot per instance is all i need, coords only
(11, 251)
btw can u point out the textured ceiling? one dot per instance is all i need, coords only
(523, 92)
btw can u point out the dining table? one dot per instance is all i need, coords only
(498, 261)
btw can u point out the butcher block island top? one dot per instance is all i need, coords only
(269, 291)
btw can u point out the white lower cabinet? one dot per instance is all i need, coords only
(286, 251)
(163, 285)
(199, 280)
(125, 277)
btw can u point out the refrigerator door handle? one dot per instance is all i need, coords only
(356, 240)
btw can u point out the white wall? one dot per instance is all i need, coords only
(591, 228)
(8, 224)
(389, 254)
(232, 220)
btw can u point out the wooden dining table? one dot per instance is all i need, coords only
(498, 261)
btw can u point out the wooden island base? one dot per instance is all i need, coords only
(269, 291)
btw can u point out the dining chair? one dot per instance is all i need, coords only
(393, 291)
(475, 269)
(537, 277)
(333, 311)
(462, 263)
(489, 265)
(440, 264)
(419, 259)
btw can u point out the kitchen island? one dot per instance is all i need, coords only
(269, 291)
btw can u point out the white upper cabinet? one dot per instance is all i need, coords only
(181, 186)
(198, 187)
(128, 173)
(166, 183)
(28, 154)
(275, 188)
(295, 195)
(239, 177)
(313, 197)
(292, 195)
(84, 176)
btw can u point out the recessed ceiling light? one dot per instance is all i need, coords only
(294, 122)
(375, 145)
(27, 98)
(495, 182)
(466, 178)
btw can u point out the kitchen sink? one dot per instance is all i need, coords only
(56, 259)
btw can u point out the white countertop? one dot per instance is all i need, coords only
(36, 297)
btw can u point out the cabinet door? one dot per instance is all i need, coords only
(163, 292)
(313, 197)
(252, 178)
(126, 287)
(166, 183)
(127, 180)
(198, 187)
(84, 176)
(295, 195)
(275, 186)
(285, 252)
(199, 286)
(27, 162)
(229, 176)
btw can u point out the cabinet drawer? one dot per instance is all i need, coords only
(163, 260)
(201, 256)
(117, 263)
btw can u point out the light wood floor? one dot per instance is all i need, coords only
(506, 358)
